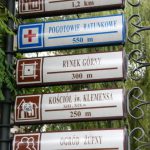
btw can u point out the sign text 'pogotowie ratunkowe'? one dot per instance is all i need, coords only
(86, 32)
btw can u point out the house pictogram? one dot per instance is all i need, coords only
(27, 110)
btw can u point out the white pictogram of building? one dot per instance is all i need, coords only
(27, 110)
(29, 70)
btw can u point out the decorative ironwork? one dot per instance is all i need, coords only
(138, 135)
(137, 56)
(135, 95)
(138, 64)
(135, 4)
(135, 21)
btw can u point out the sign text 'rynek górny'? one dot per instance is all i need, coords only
(105, 30)
(70, 106)
(34, 8)
(94, 67)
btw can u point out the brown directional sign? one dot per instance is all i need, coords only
(71, 106)
(106, 139)
(35, 8)
(55, 70)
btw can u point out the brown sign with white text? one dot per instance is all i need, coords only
(71, 106)
(94, 67)
(34, 8)
(109, 139)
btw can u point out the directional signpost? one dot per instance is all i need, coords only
(110, 139)
(104, 104)
(34, 8)
(70, 106)
(97, 31)
(95, 67)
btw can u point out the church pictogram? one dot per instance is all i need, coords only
(27, 108)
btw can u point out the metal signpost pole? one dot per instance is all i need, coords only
(5, 132)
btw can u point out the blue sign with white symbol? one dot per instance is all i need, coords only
(31, 36)
(86, 32)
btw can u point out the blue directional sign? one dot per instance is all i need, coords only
(76, 33)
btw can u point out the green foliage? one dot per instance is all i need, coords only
(4, 16)
(6, 70)
(7, 76)
(2, 72)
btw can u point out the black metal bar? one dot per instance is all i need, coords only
(4, 141)
(6, 125)
(6, 102)
(5, 130)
